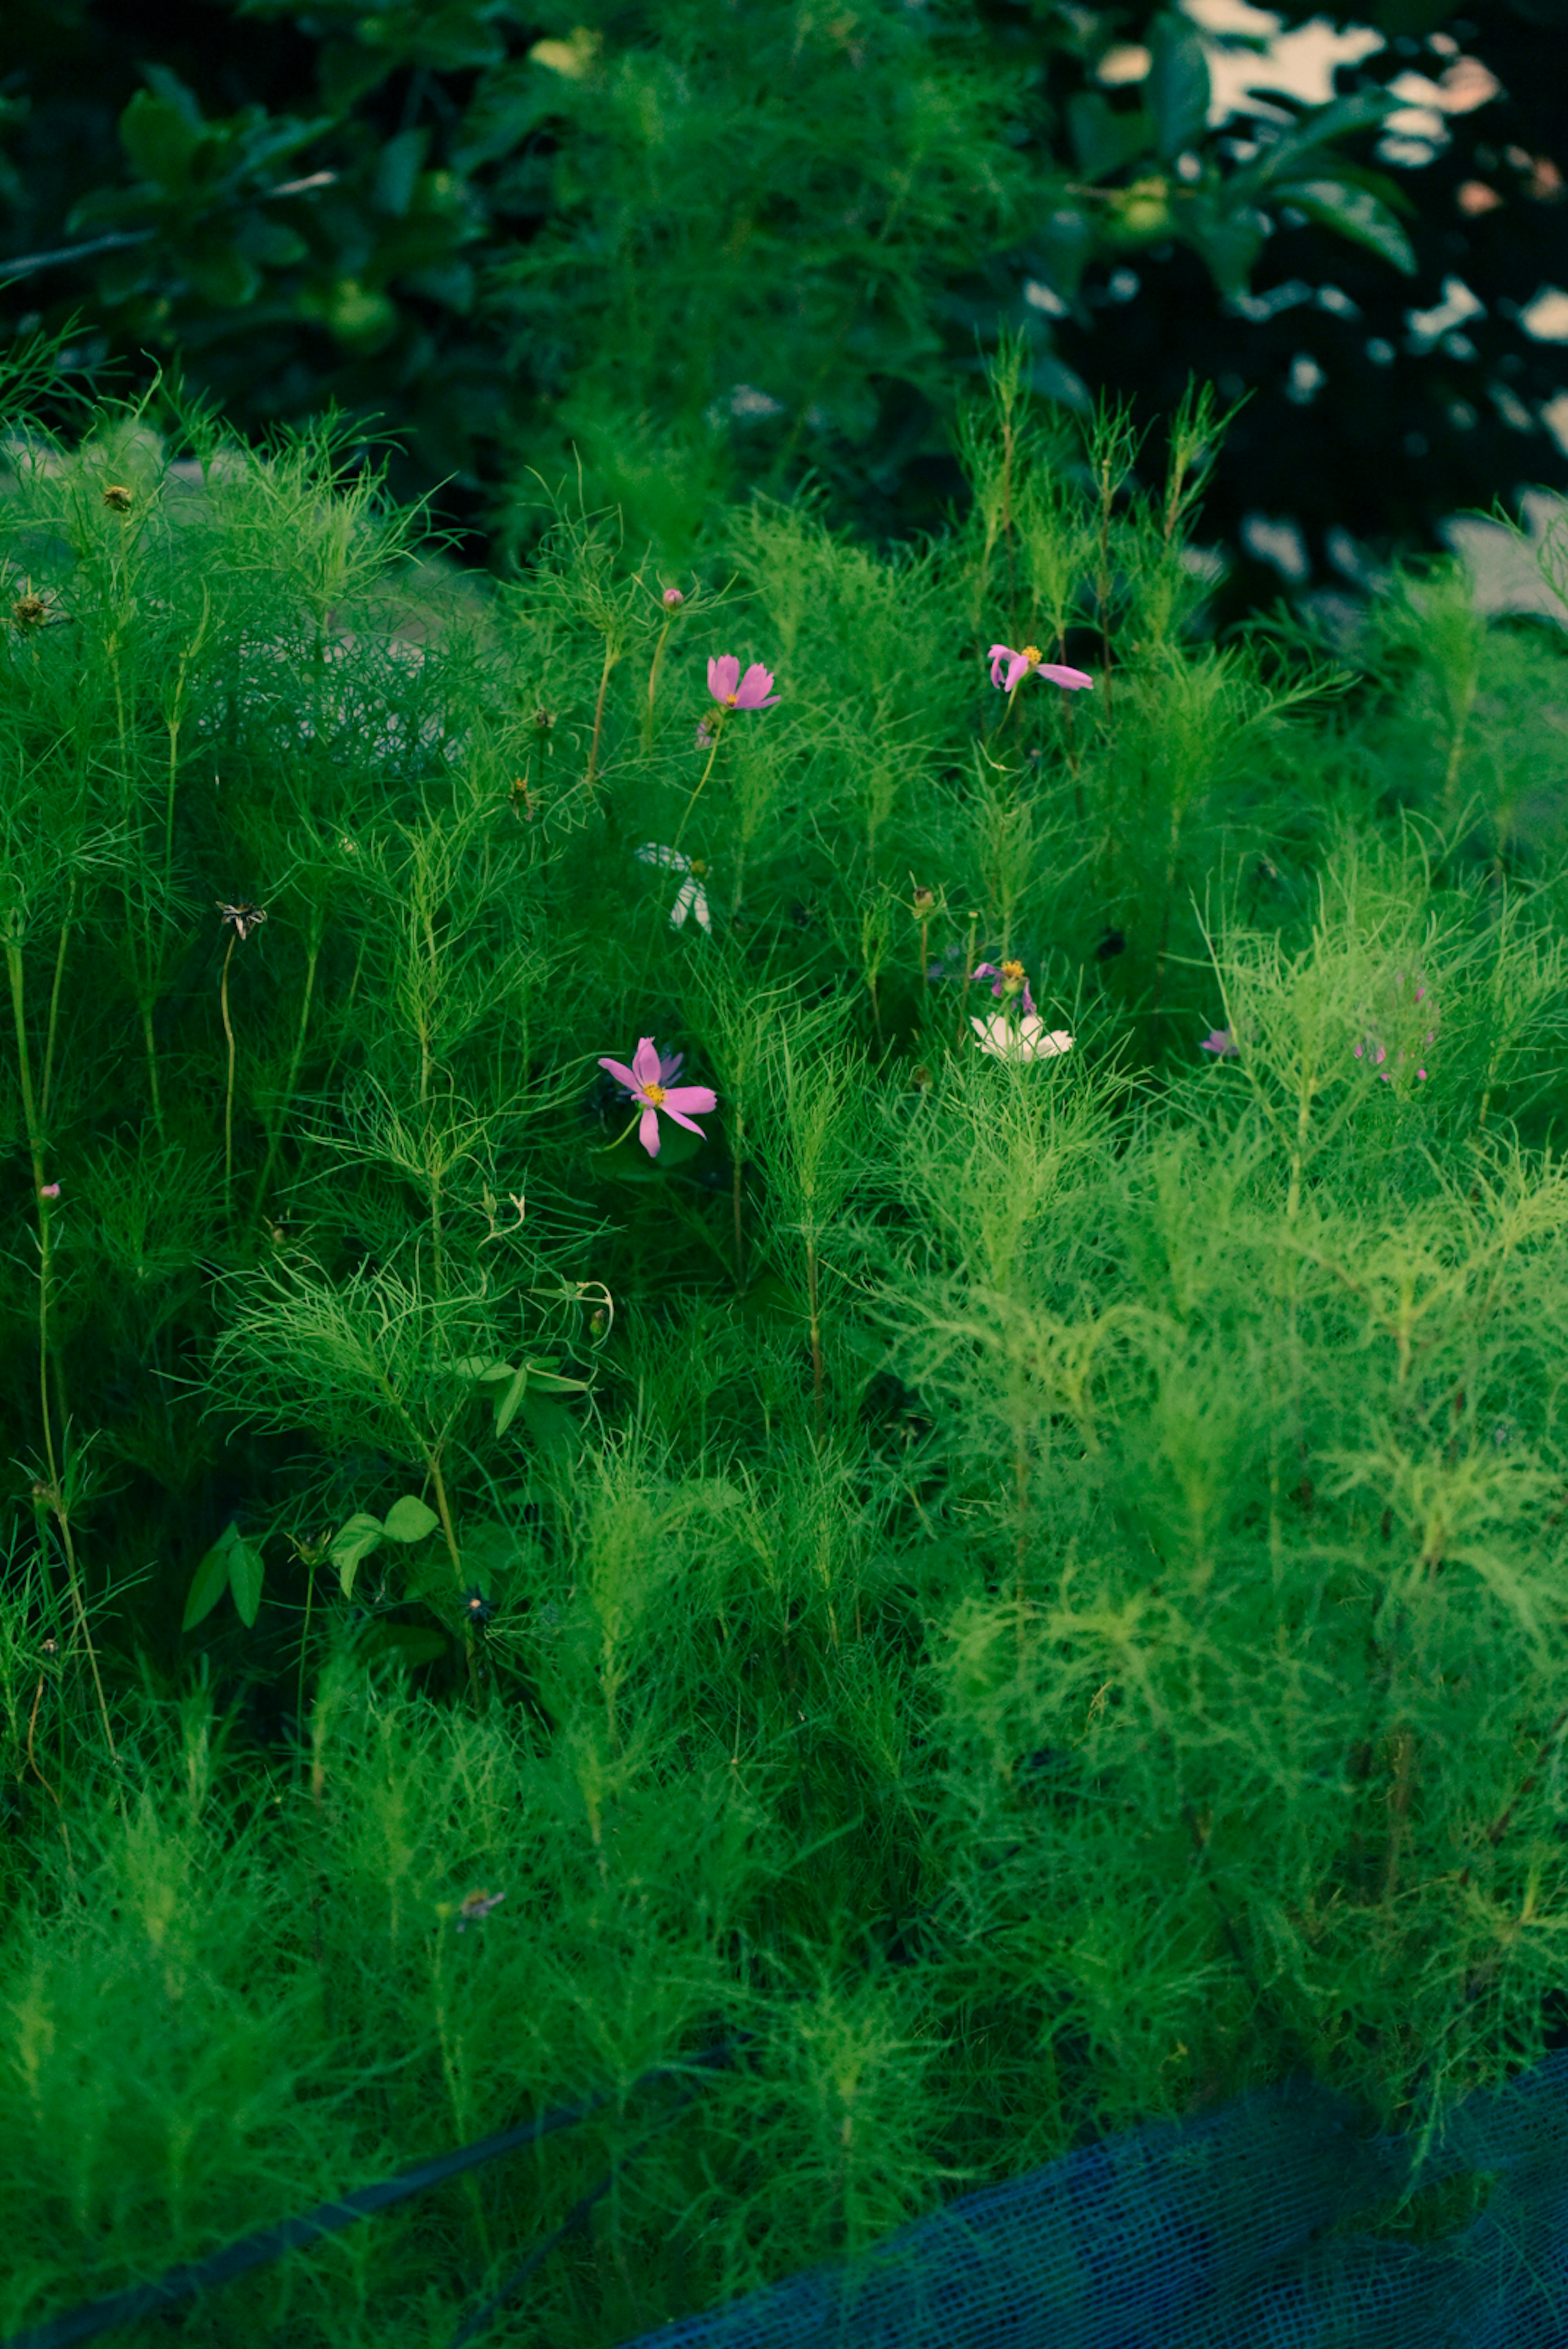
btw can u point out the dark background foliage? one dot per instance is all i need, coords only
(404, 210)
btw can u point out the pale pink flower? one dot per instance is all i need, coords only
(1031, 660)
(1026, 1041)
(733, 691)
(646, 1081)
(1221, 1044)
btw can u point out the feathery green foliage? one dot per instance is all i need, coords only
(1029, 1586)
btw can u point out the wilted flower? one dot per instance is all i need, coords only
(1221, 1044)
(733, 691)
(48, 1190)
(1025, 1042)
(118, 497)
(691, 898)
(477, 1905)
(1008, 981)
(243, 917)
(647, 1080)
(477, 1610)
(1031, 660)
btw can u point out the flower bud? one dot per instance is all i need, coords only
(672, 597)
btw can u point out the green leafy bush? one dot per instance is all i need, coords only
(1014, 1559)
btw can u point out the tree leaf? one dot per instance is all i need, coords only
(353, 1544)
(1176, 89)
(1103, 139)
(160, 139)
(410, 1520)
(210, 1580)
(247, 1571)
(1354, 213)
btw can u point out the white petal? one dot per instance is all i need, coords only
(652, 852)
(682, 905)
(699, 907)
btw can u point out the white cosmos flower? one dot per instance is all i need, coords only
(1026, 1041)
(691, 898)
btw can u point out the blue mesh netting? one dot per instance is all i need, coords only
(1237, 2230)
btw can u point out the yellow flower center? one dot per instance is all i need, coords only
(1033, 655)
(1013, 972)
(654, 1093)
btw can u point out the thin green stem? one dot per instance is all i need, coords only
(229, 1092)
(317, 929)
(611, 656)
(55, 1006)
(718, 726)
(653, 682)
(53, 1496)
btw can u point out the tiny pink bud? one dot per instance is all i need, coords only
(48, 1190)
(672, 597)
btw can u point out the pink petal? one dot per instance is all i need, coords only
(621, 1074)
(997, 655)
(648, 1130)
(645, 1063)
(678, 1098)
(756, 688)
(686, 1122)
(723, 675)
(1016, 667)
(1072, 678)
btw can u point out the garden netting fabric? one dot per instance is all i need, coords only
(1247, 2229)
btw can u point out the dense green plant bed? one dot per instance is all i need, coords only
(1016, 1558)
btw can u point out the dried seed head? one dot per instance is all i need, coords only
(243, 917)
(30, 610)
(119, 497)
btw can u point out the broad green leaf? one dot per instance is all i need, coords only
(160, 140)
(410, 1520)
(543, 1375)
(1176, 89)
(353, 1546)
(1103, 139)
(550, 1423)
(1354, 213)
(482, 1367)
(508, 1404)
(1228, 242)
(247, 1570)
(397, 168)
(210, 1580)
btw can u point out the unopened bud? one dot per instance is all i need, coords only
(672, 597)
(119, 497)
(924, 900)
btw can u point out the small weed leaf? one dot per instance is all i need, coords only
(247, 1571)
(410, 1520)
(354, 1544)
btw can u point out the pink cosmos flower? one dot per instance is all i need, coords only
(1221, 1044)
(647, 1080)
(733, 691)
(1020, 664)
